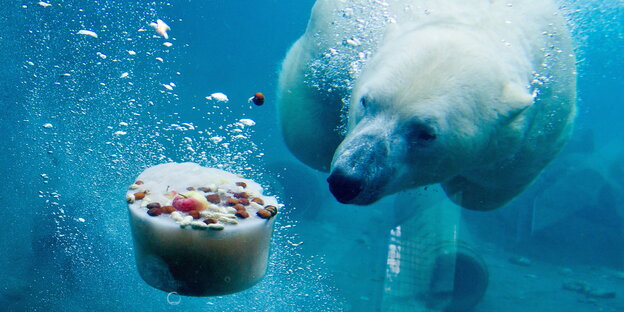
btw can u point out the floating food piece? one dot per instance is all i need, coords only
(213, 198)
(159, 59)
(131, 52)
(139, 182)
(44, 4)
(257, 99)
(87, 33)
(241, 184)
(218, 96)
(124, 75)
(258, 201)
(139, 195)
(167, 44)
(189, 234)
(264, 214)
(161, 28)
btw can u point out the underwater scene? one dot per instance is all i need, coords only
(302, 155)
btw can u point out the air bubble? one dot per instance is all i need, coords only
(173, 298)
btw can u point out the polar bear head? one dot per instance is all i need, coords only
(431, 104)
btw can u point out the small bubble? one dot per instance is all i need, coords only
(173, 298)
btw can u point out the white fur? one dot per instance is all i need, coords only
(492, 81)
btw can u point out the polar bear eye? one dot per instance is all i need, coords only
(363, 102)
(426, 136)
(421, 135)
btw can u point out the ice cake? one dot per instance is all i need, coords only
(199, 231)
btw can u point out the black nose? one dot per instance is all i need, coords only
(344, 187)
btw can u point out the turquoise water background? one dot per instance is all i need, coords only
(75, 134)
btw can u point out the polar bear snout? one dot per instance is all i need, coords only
(343, 186)
(361, 169)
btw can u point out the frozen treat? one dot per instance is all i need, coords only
(199, 231)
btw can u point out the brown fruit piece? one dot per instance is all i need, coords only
(264, 214)
(231, 202)
(213, 198)
(194, 214)
(153, 205)
(241, 195)
(242, 214)
(271, 209)
(154, 212)
(210, 221)
(168, 209)
(139, 195)
(258, 98)
(258, 201)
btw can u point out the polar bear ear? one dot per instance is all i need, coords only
(517, 98)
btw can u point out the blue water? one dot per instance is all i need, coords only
(66, 244)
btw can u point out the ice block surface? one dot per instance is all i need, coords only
(199, 231)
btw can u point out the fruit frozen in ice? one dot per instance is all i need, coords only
(190, 201)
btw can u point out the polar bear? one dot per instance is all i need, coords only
(478, 96)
